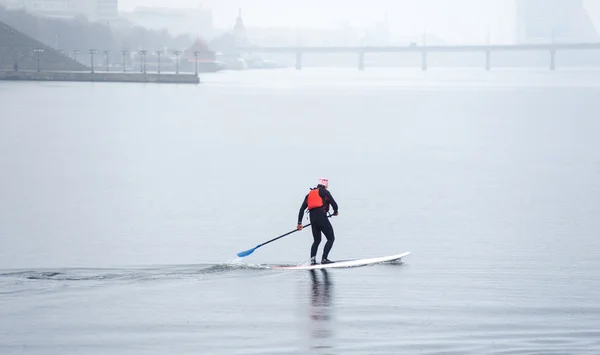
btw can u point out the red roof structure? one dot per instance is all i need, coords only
(204, 53)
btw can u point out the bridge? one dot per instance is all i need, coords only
(551, 48)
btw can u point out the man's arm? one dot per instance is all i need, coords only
(332, 202)
(302, 208)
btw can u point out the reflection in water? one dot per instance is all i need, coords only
(321, 327)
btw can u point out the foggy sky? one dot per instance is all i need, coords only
(466, 21)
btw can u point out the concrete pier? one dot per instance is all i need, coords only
(298, 61)
(361, 61)
(553, 59)
(100, 77)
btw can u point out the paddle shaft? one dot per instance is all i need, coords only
(281, 236)
(250, 251)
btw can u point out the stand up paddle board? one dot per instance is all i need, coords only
(345, 263)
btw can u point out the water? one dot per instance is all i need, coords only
(123, 208)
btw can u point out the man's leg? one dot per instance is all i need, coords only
(316, 231)
(329, 234)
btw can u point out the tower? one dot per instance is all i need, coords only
(554, 20)
(239, 31)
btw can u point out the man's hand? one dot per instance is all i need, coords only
(335, 213)
(299, 227)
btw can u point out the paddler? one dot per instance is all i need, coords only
(317, 202)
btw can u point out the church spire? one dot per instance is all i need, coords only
(239, 31)
(239, 23)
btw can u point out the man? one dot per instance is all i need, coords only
(317, 202)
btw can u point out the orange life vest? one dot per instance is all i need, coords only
(314, 200)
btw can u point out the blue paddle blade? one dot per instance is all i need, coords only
(246, 253)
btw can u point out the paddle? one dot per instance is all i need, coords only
(250, 251)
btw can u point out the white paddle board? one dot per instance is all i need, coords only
(345, 263)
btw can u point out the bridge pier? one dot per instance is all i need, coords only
(552, 59)
(488, 60)
(299, 61)
(424, 60)
(361, 61)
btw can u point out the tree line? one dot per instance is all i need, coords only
(81, 34)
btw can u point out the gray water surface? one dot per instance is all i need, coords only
(123, 208)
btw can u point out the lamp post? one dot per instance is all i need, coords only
(92, 52)
(75, 53)
(143, 61)
(107, 53)
(124, 52)
(158, 53)
(38, 52)
(177, 53)
(196, 54)
(17, 56)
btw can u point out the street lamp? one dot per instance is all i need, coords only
(17, 55)
(107, 53)
(143, 61)
(158, 53)
(75, 53)
(177, 53)
(92, 52)
(124, 52)
(39, 52)
(196, 54)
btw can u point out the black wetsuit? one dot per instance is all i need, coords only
(319, 222)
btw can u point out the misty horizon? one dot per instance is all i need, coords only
(461, 21)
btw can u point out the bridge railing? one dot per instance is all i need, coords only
(418, 49)
(487, 49)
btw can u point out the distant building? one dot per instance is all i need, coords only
(12, 4)
(107, 9)
(193, 21)
(554, 20)
(93, 10)
(377, 35)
